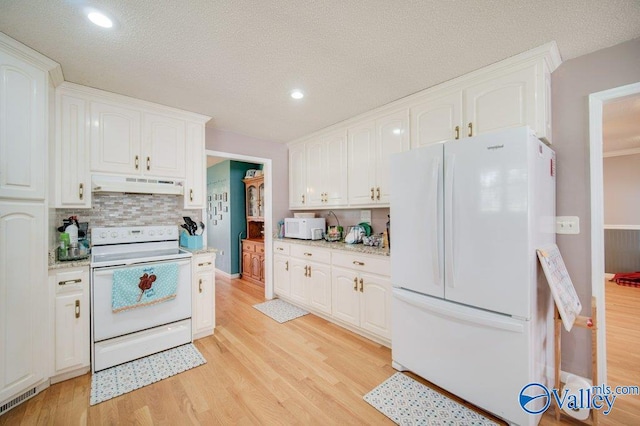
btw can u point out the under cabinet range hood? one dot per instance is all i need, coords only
(136, 185)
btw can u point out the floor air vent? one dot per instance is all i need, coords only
(17, 400)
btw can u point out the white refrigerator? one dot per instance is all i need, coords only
(471, 309)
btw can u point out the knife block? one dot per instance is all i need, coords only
(192, 242)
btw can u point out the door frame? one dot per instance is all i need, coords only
(268, 223)
(596, 103)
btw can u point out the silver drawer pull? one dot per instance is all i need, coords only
(308, 254)
(204, 264)
(355, 262)
(76, 281)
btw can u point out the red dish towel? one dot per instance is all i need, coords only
(631, 279)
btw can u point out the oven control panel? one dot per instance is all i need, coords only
(133, 234)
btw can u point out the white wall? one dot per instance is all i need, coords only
(621, 190)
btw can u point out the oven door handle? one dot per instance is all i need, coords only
(108, 270)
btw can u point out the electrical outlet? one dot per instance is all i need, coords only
(567, 225)
(365, 216)
(221, 252)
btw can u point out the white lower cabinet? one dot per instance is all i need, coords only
(353, 290)
(363, 300)
(70, 289)
(203, 295)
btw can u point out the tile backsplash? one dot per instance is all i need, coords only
(116, 209)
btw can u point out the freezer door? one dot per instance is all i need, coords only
(487, 256)
(416, 220)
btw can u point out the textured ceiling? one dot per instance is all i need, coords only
(237, 60)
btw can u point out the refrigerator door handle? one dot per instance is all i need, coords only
(450, 161)
(460, 313)
(433, 203)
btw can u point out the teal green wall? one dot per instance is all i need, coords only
(224, 235)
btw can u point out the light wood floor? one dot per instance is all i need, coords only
(306, 371)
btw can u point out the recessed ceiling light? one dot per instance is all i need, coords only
(100, 19)
(297, 94)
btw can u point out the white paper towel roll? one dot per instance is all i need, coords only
(573, 385)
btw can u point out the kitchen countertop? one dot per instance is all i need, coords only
(201, 251)
(57, 264)
(354, 248)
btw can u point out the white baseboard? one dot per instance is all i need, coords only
(226, 275)
(608, 276)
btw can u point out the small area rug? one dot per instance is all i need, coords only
(280, 311)
(118, 380)
(631, 279)
(408, 402)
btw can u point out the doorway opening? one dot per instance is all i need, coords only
(265, 164)
(597, 102)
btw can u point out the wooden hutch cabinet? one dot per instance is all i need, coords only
(253, 245)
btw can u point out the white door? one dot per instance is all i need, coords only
(319, 287)
(375, 305)
(486, 222)
(297, 176)
(195, 182)
(298, 281)
(164, 146)
(361, 155)
(335, 169)
(417, 257)
(281, 275)
(23, 304)
(392, 136)
(115, 139)
(501, 103)
(73, 153)
(23, 129)
(345, 295)
(435, 120)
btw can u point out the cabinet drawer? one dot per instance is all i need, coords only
(380, 265)
(203, 263)
(248, 245)
(314, 254)
(73, 280)
(280, 248)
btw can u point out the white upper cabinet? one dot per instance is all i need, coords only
(72, 181)
(436, 119)
(326, 170)
(297, 176)
(163, 146)
(115, 139)
(23, 128)
(195, 164)
(370, 146)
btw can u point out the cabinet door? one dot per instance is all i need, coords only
(345, 296)
(375, 305)
(71, 313)
(334, 175)
(298, 274)
(115, 139)
(256, 265)
(23, 125)
(23, 304)
(72, 153)
(501, 103)
(281, 276)
(195, 167)
(361, 155)
(319, 287)
(436, 118)
(164, 146)
(392, 136)
(246, 263)
(297, 176)
(316, 169)
(205, 302)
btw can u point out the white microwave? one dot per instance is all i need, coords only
(301, 227)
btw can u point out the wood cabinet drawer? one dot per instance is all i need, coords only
(253, 246)
(314, 254)
(280, 248)
(373, 264)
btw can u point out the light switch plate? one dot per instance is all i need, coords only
(365, 216)
(567, 225)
